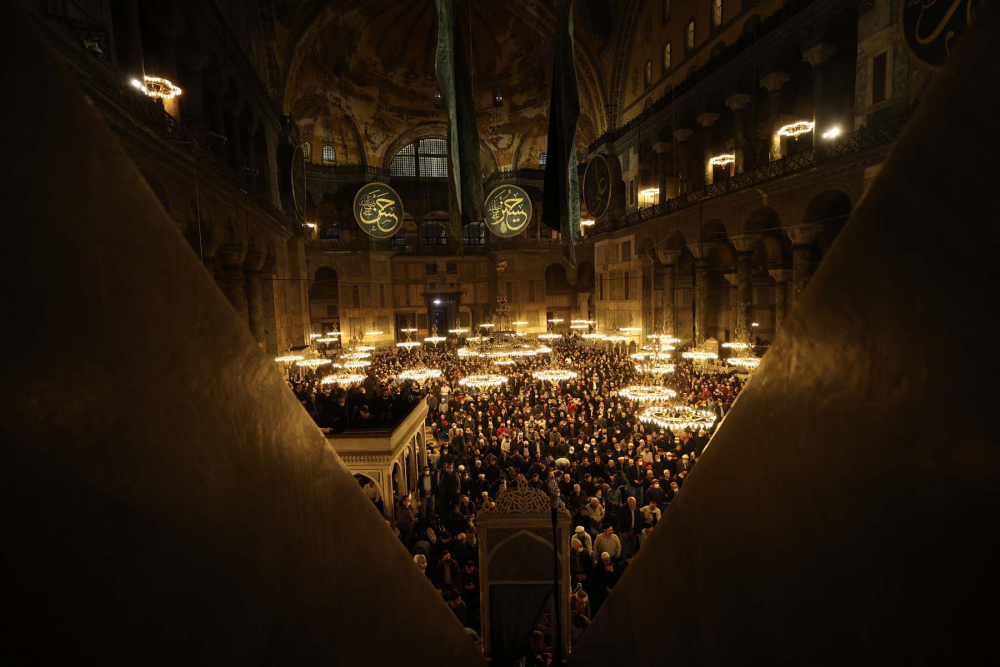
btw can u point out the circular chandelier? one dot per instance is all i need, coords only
(678, 417)
(549, 336)
(408, 344)
(357, 364)
(289, 359)
(343, 379)
(699, 355)
(357, 355)
(503, 362)
(483, 380)
(593, 336)
(736, 345)
(616, 338)
(554, 375)
(645, 356)
(458, 331)
(420, 375)
(647, 393)
(655, 369)
(313, 363)
(745, 362)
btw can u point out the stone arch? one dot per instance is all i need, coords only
(556, 279)
(428, 130)
(714, 231)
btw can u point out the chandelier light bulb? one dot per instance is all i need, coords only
(722, 160)
(796, 128)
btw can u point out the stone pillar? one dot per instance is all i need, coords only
(818, 56)
(773, 83)
(681, 138)
(128, 39)
(707, 120)
(666, 184)
(744, 281)
(235, 139)
(737, 102)
(701, 262)
(232, 281)
(255, 308)
(192, 102)
(780, 277)
(266, 277)
(669, 258)
(803, 266)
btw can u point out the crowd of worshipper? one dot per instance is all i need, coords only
(615, 474)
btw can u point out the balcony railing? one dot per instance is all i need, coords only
(865, 139)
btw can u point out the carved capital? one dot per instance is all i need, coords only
(780, 276)
(732, 278)
(805, 234)
(662, 147)
(774, 81)
(683, 135)
(745, 242)
(708, 119)
(668, 257)
(738, 101)
(701, 251)
(819, 54)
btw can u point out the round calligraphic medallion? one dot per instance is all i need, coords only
(378, 210)
(931, 29)
(299, 183)
(597, 186)
(508, 211)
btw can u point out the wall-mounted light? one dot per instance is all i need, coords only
(437, 302)
(587, 223)
(722, 160)
(796, 128)
(832, 133)
(157, 87)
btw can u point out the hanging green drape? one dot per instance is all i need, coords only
(454, 79)
(561, 202)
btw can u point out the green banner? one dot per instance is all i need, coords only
(455, 81)
(561, 202)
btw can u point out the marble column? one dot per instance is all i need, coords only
(781, 277)
(232, 281)
(818, 57)
(744, 244)
(233, 132)
(669, 259)
(707, 120)
(773, 83)
(736, 103)
(803, 266)
(681, 137)
(666, 184)
(701, 265)
(255, 308)
(266, 278)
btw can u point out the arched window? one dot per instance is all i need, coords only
(474, 234)
(647, 73)
(330, 231)
(716, 14)
(434, 233)
(665, 11)
(689, 36)
(329, 155)
(427, 158)
(543, 159)
(666, 57)
(306, 150)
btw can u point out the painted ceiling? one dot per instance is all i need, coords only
(359, 74)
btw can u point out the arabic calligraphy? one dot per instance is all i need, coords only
(378, 210)
(930, 27)
(597, 186)
(508, 210)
